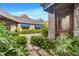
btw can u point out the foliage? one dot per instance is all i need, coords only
(18, 29)
(67, 45)
(42, 42)
(31, 31)
(45, 29)
(11, 44)
(64, 45)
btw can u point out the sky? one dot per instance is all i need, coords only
(33, 10)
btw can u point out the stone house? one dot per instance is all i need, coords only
(62, 18)
(13, 22)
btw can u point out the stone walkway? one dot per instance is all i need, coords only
(35, 50)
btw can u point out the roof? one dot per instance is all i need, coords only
(22, 19)
(46, 5)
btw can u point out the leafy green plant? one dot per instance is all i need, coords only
(11, 44)
(18, 28)
(30, 31)
(45, 29)
(64, 45)
(67, 45)
(42, 42)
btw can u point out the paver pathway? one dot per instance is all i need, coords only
(35, 50)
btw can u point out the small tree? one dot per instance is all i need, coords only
(45, 29)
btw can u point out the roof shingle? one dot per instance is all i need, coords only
(22, 19)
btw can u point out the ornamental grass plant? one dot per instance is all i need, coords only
(11, 43)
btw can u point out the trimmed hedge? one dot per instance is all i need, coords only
(31, 31)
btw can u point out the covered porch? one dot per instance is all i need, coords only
(14, 22)
(62, 18)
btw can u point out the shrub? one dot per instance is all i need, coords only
(17, 45)
(11, 44)
(67, 45)
(64, 45)
(42, 42)
(30, 31)
(45, 29)
(18, 29)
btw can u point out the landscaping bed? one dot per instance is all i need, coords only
(42, 42)
(64, 45)
(11, 43)
(31, 31)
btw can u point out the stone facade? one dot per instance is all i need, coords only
(11, 25)
(76, 20)
(51, 25)
(52, 18)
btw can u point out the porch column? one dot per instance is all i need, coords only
(12, 27)
(19, 28)
(76, 20)
(51, 25)
(32, 27)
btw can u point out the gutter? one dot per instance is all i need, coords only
(48, 6)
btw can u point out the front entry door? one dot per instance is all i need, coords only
(64, 21)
